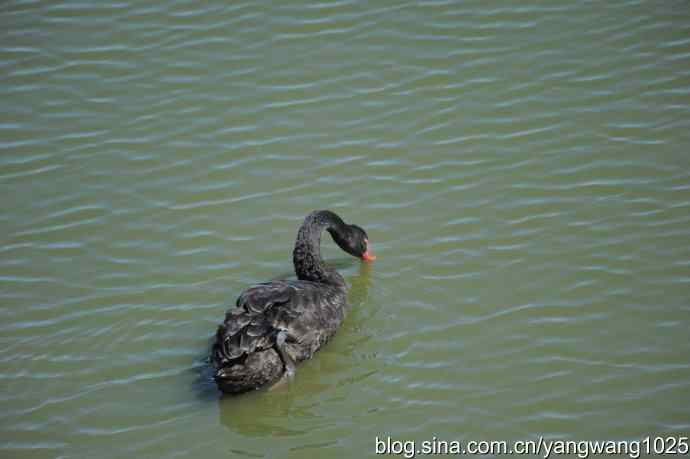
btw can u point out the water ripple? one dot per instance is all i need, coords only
(519, 168)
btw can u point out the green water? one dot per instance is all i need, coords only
(522, 169)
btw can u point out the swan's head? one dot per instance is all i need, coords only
(354, 240)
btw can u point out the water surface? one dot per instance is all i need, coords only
(522, 170)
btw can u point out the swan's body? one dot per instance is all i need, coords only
(277, 324)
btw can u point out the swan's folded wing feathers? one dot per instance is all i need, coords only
(232, 348)
(258, 328)
(236, 320)
(248, 327)
(251, 342)
(246, 342)
(261, 297)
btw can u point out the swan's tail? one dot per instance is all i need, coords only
(257, 370)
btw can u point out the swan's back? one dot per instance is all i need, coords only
(244, 352)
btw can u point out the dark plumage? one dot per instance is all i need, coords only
(279, 323)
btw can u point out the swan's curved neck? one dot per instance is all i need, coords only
(307, 253)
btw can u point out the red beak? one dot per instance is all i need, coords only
(368, 256)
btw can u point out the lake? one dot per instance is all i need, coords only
(522, 170)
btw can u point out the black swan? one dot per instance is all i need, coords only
(277, 324)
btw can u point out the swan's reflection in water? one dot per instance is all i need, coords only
(268, 412)
(359, 288)
(265, 412)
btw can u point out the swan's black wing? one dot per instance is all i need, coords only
(309, 312)
(245, 353)
(247, 328)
